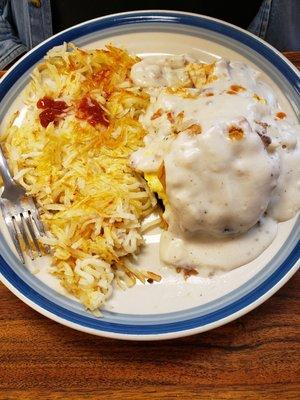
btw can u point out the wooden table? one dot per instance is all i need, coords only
(255, 357)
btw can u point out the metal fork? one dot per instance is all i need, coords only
(20, 214)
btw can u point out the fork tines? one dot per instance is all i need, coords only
(22, 221)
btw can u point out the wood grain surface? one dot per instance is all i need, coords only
(255, 357)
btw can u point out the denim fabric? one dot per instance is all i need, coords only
(260, 23)
(11, 46)
(23, 25)
(284, 25)
(278, 22)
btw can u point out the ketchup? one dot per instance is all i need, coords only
(90, 110)
(52, 110)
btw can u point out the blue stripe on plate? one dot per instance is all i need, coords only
(148, 319)
(140, 21)
(102, 325)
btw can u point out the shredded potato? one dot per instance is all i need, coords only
(90, 200)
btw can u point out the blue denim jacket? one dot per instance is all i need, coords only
(278, 22)
(25, 23)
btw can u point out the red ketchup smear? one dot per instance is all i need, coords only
(90, 110)
(52, 110)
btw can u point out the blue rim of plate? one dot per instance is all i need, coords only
(211, 319)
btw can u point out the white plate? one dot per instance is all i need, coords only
(174, 307)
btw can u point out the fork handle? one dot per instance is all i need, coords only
(4, 170)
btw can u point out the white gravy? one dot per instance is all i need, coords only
(226, 194)
(192, 251)
(160, 71)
